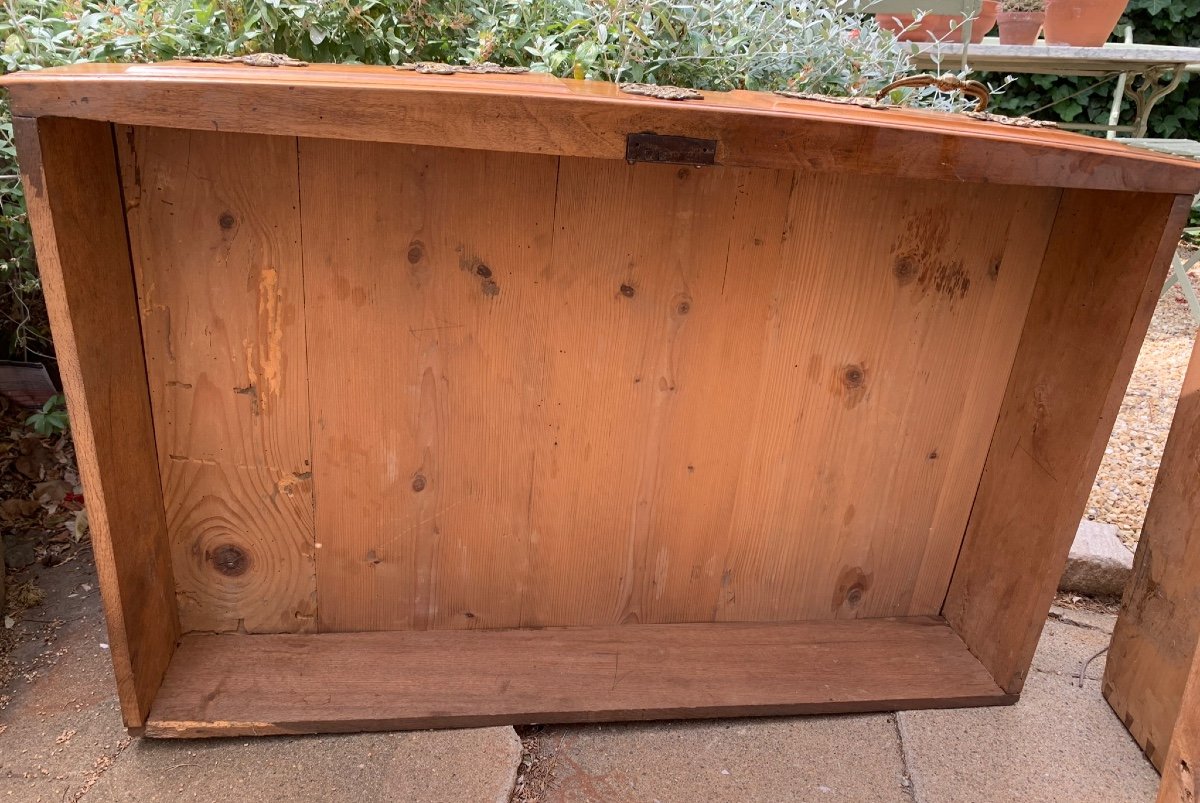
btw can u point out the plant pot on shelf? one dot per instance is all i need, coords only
(1082, 23)
(1020, 27)
(940, 27)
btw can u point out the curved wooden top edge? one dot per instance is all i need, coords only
(537, 113)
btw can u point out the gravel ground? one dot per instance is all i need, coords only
(1126, 477)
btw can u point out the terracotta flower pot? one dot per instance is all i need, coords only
(1082, 23)
(937, 27)
(1020, 27)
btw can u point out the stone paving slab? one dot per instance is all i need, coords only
(62, 739)
(847, 758)
(1059, 743)
(460, 765)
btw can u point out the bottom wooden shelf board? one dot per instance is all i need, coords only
(223, 685)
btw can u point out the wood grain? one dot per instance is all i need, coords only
(1102, 273)
(225, 685)
(1154, 644)
(539, 114)
(1179, 782)
(431, 268)
(71, 186)
(702, 409)
(214, 226)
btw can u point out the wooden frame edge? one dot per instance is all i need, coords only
(1099, 281)
(76, 212)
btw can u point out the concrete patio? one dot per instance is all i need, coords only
(62, 741)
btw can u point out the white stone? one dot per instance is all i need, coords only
(1099, 564)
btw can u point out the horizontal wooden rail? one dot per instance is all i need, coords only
(540, 114)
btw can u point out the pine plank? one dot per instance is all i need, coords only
(1179, 782)
(227, 685)
(627, 428)
(538, 114)
(425, 309)
(214, 227)
(73, 191)
(1155, 642)
(1103, 270)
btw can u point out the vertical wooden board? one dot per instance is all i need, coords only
(1104, 266)
(1180, 781)
(73, 192)
(214, 227)
(1027, 234)
(691, 470)
(424, 270)
(1154, 644)
(671, 406)
(641, 328)
(877, 333)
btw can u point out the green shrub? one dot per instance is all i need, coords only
(807, 45)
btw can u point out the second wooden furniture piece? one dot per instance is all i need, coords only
(1154, 645)
(414, 400)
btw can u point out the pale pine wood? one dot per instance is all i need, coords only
(1027, 234)
(425, 315)
(1154, 645)
(214, 225)
(226, 685)
(69, 172)
(539, 114)
(1101, 276)
(1179, 773)
(559, 446)
(467, 378)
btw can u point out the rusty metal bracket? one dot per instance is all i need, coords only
(666, 149)
(662, 91)
(438, 68)
(251, 60)
(943, 83)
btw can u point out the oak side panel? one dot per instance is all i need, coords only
(1103, 270)
(425, 275)
(214, 227)
(1179, 773)
(1154, 643)
(69, 171)
(226, 685)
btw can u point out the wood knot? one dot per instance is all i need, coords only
(851, 587)
(230, 560)
(415, 252)
(627, 290)
(854, 376)
(227, 220)
(483, 271)
(905, 270)
(683, 308)
(418, 483)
